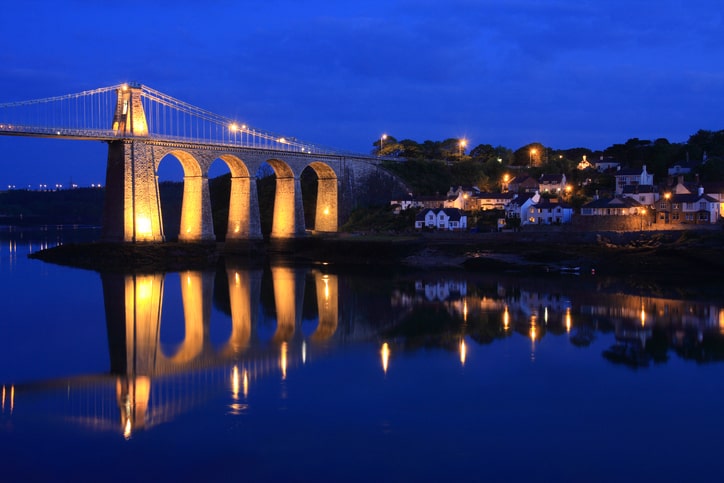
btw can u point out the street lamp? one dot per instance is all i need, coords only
(530, 156)
(382, 140)
(643, 213)
(462, 144)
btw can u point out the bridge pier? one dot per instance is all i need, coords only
(326, 215)
(132, 210)
(243, 221)
(288, 219)
(196, 221)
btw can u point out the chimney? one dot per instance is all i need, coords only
(701, 190)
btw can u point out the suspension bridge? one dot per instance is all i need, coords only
(142, 126)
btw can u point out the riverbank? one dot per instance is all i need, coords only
(659, 254)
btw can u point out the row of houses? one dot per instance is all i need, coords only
(679, 203)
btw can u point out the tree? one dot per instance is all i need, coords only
(387, 145)
(530, 155)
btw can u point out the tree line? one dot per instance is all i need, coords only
(433, 167)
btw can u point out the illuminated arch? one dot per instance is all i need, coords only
(288, 217)
(326, 207)
(243, 222)
(196, 221)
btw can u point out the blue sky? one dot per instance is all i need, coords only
(563, 73)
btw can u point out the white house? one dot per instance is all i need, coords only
(548, 212)
(450, 219)
(617, 206)
(519, 206)
(606, 164)
(552, 183)
(632, 176)
(645, 194)
(491, 201)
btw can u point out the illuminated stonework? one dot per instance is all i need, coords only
(326, 214)
(327, 305)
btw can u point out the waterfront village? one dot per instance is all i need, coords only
(638, 202)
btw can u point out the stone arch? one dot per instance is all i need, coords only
(196, 222)
(288, 217)
(326, 210)
(243, 221)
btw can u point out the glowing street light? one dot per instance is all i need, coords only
(462, 144)
(643, 213)
(382, 141)
(532, 152)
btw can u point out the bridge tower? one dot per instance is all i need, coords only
(132, 211)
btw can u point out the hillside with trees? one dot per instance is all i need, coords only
(432, 167)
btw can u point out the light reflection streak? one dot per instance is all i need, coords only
(283, 360)
(235, 383)
(385, 353)
(463, 352)
(568, 319)
(246, 383)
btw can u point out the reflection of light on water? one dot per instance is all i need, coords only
(463, 352)
(568, 319)
(235, 383)
(643, 315)
(545, 315)
(465, 310)
(283, 360)
(385, 353)
(721, 320)
(127, 428)
(237, 281)
(235, 409)
(506, 319)
(304, 352)
(246, 383)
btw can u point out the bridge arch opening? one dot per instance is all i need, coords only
(234, 200)
(219, 176)
(280, 200)
(185, 204)
(320, 197)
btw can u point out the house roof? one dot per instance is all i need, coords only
(551, 178)
(521, 198)
(691, 198)
(616, 202)
(522, 178)
(550, 204)
(494, 196)
(453, 213)
(630, 171)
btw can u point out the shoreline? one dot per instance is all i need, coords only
(658, 254)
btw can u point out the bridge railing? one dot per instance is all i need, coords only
(90, 114)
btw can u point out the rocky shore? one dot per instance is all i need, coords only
(659, 254)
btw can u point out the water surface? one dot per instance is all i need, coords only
(268, 371)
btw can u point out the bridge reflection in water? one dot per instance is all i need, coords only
(133, 316)
(152, 381)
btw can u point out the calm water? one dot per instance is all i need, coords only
(269, 372)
